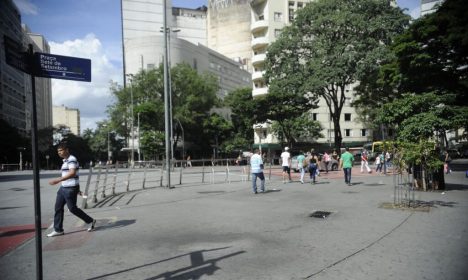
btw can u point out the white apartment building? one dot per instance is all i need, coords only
(229, 30)
(429, 6)
(268, 18)
(69, 117)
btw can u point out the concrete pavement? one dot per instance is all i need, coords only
(223, 231)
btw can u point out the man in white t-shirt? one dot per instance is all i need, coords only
(286, 163)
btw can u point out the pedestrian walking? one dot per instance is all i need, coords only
(365, 162)
(68, 192)
(301, 165)
(346, 162)
(256, 167)
(313, 170)
(379, 159)
(447, 161)
(286, 164)
(189, 161)
(326, 159)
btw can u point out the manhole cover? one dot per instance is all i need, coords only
(17, 189)
(320, 214)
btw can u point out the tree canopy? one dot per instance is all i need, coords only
(329, 46)
(428, 77)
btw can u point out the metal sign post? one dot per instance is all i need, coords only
(49, 66)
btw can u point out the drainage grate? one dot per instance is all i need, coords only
(320, 214)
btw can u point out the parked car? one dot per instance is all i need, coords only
(332, 164)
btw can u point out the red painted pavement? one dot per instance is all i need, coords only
(72, 238)
(13, 236)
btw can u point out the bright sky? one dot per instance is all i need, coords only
(82, 29)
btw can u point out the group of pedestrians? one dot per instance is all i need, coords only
(310, 163)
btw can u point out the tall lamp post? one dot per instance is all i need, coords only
(132, 161)
(183, 138)
(168, 35)
(108, 144)
(167, 107)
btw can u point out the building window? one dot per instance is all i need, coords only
(291, 4)
(363, 132)
(314, 116)
(291, 15)
(195, 63)
(150, 66)
(299, 5)
(277, 33)
(347, 117)
(347, 132)
(278, 16)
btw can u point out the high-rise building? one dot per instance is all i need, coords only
(430, 6)
(268, 18)
(12, 81)
(69, 117)
(15, 85)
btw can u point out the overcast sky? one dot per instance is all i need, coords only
(82, 29)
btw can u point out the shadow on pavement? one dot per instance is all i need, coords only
(111, 225)
(197, 268)
(456, 187)
(272, 190)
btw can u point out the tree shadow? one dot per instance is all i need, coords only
(456, 187)
(434, 203)
(197, 268)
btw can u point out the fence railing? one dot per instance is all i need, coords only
(110, 180)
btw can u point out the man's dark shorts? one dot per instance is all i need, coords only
(286, 169)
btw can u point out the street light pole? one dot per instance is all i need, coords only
(139, 143)
(166, 101)
(132, 161)
(108, 147)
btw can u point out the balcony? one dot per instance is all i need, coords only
(260, 42)
(259, 91)
(258, 75)
(258, 59)
(258, 26)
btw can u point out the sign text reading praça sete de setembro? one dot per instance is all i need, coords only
(62, 67)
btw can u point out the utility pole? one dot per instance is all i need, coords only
(166, 101)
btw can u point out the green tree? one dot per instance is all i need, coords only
(12, 143)
(217, 129)
(243, 110)
(429, 75)
(329, 46)
(298, 129)
(193, 95)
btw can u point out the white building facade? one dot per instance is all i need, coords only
(144, 42)
(268, 18)
(430, 6)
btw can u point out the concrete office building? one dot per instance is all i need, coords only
(229, 30)
(144, 43)
(69, 117)
(43, 85)
(430, 6)
(268, 18)
(12, 81)
(15, 85)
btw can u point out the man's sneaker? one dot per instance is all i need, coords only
(91, 225)
(55, 233)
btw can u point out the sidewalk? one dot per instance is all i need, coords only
(223, 231)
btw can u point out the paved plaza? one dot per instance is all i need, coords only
(223, 231)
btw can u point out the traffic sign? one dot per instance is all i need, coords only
(62, 67)
(15, 55)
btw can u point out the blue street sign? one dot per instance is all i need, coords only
(62, 67)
